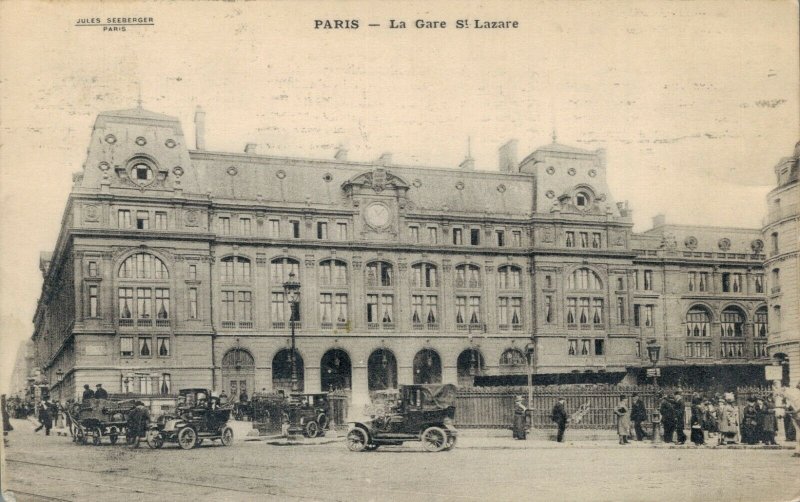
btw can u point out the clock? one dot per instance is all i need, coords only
(377, 215)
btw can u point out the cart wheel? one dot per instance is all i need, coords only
(97, 435)
(113, 438)
(154, 440)
(357, 439)
(311, 429)
(434, 439)
(227, 436)
(187, 438)
(322, 421)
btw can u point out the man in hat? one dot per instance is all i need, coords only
(749, 422)
(87, 392)
(100, 393)
(638, 415)
(667, 411)
(559, 416)
(680, 418)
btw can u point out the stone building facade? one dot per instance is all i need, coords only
(783, 266)
(169, 271)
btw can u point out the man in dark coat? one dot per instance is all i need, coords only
(749, 422)
(100, 393)
(559, 416)
(680, 418)
(45, 419)
(667, 410)
(87, 392)
(520, 411)
(638, 415)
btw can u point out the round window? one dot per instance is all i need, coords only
(142, 173)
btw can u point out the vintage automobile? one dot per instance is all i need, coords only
(308, 414)
(199, 416)
(422, 413)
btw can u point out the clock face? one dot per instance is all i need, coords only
(377, 215)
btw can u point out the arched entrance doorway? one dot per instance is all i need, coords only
(427, 367)
(470, 364)
(335, 371)
(238, 373)
(282, 371)
(382, 370)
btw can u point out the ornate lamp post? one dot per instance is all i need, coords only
(653, 351)
(59, 378)
(529, 348)
(292, 290)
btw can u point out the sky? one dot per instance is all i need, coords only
(695, 102)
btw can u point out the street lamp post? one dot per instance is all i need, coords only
(653, 352)
(292, 289)
(59, 378)
(529, 348)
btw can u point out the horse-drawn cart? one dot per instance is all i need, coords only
(94, 419)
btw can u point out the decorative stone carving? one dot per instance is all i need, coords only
(690, 242)
(669, 242)
(724, 244)
(91, 213)
(192, 218)
(757, 246)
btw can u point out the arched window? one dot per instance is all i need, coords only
(280, 268)
(380, 273)
(512, 357)
(509, 277)
(238, 359)
(333, 273)
(468, 276)
(424, 275)
(762, 322)
(143, 266)
(235, 269)
(698, 322)
(584, 279)
(732, 322)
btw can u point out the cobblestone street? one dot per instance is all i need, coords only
(480, 468)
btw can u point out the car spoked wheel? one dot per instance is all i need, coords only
(97, 435)
(227, 436)
(434, 439)
(357, 440)
(311, 429)
(451, 442)
(154, 440)
(187, 438)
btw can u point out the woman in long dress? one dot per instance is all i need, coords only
(728, 421)
(696, 422)
(623, 414)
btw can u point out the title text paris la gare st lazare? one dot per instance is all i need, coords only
(421, 24)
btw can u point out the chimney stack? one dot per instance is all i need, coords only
(507, 156)
(200, 129)
(341, 154)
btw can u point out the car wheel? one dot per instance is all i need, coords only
(311, 429)
(451, 442)
(97, 436)
(434, 439)
(154, 440)
(322, 421)
(187, 438)
(357, 439)
(227, 436)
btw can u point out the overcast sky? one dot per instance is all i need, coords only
(694, 101)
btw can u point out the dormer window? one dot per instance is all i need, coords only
(142, 173)
(582, 200)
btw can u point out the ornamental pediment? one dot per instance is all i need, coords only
(377, 180)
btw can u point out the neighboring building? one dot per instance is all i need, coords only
(23, 369)
(783, 267)
(169, 271)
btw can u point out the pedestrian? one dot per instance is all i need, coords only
(100, 393)
(680, 418)
(749, 422)
(789, 430)
(559, 416)
(638, 415)
(667, 410)
(696, 421)
(243, 396)
(623, 414)
(769, 422)
(223, 397)
(45, 419)
(87, 392)
(520, 414)
(728, 415)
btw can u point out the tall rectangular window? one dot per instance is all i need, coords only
(548, 309)
(500, 236)
(124, 218)
(245, 226)
(93, 269)
(340, 307)
(599, 347)
(162, 346)
(637, 315)
(597, 311)
(277, 311)
(572, 310)
(144, 301)
(474, 236)
(126, 346)
(228, 306)
(142, 220)
(192, 272)
(341, 229)
(620, 284)
(161, 220)
(92, 301)
(274, 228)
(125, 303)
(245, 313)
(692, 281)
(596, 240)
(192, 303)
(326, 309)
(759, 283)
(224, 225)
(774, 242)
(162, 303)
(569, 240)
(295, 229)
(516, 235)
(457, 237)
(414, 234)
(648, 316)
(322, 230)
(702, 282)
(584, 239)
(620, 310)
(583, 313)
(145, 346)
(648, 280)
